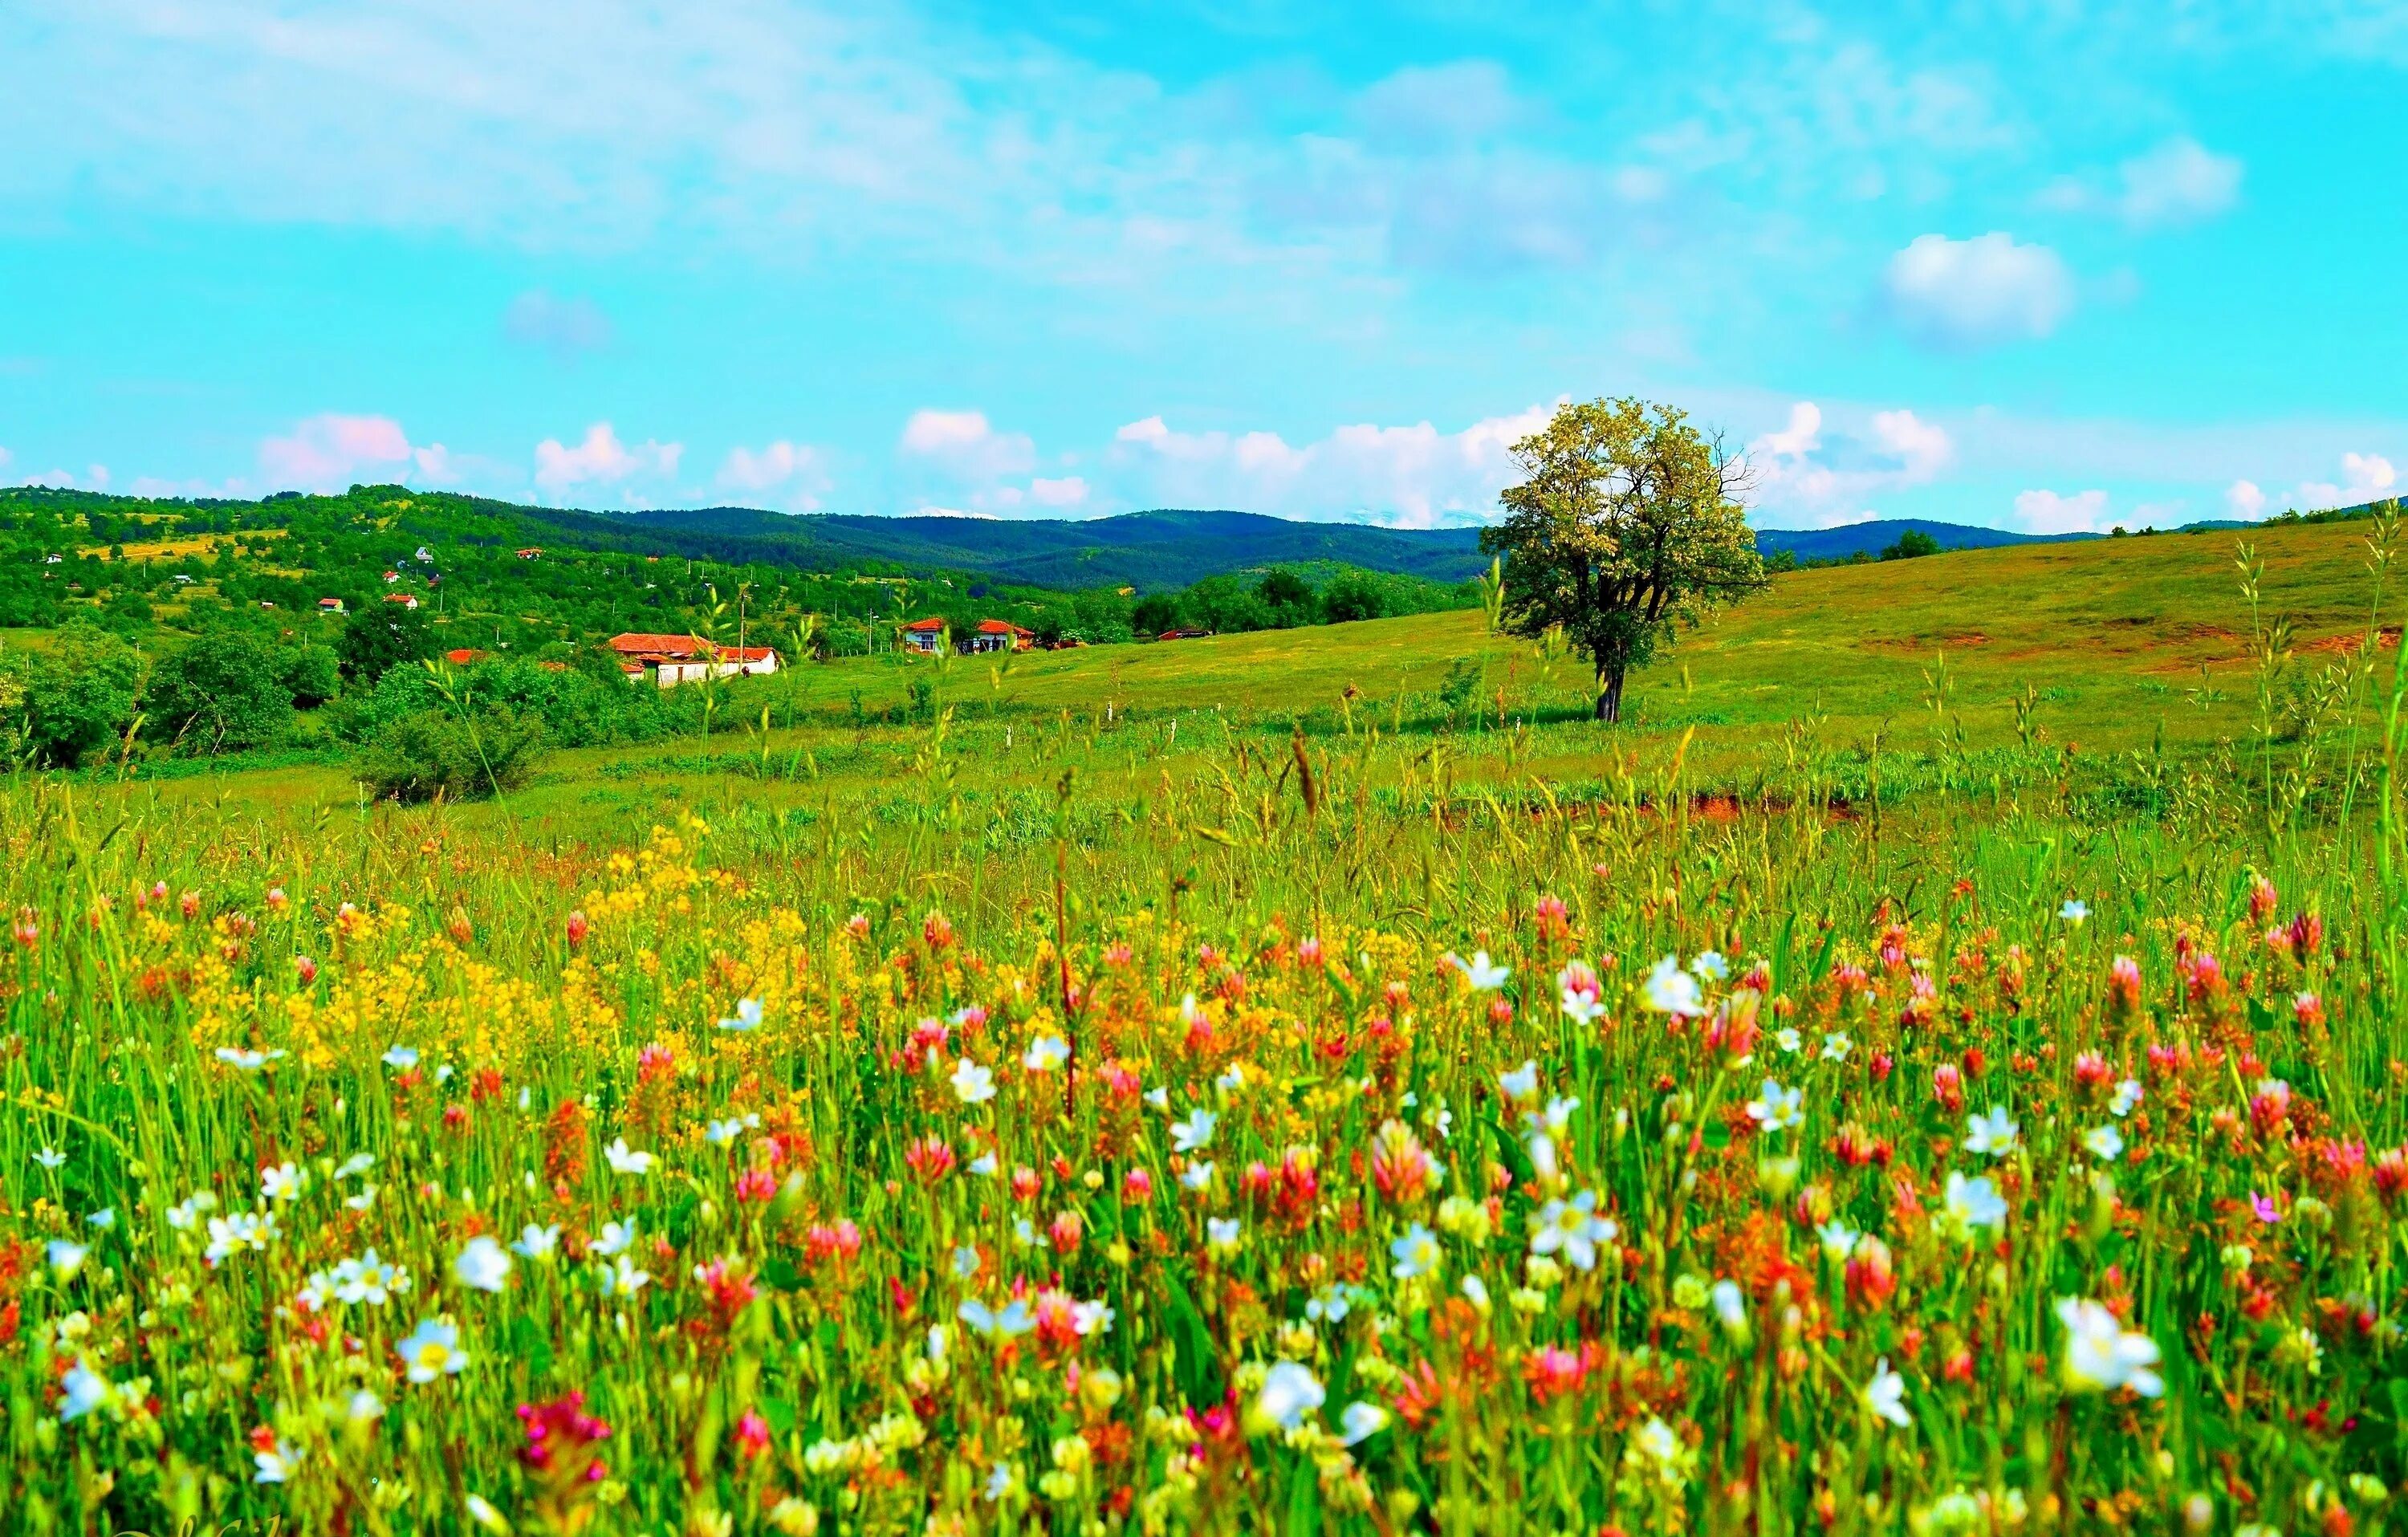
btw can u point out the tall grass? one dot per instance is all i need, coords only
(828, 1230)
(1374, 1120)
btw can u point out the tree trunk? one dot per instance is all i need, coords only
(1609, 696)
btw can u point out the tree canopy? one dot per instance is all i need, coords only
(1626, 524)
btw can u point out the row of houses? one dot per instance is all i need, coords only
(927, 636)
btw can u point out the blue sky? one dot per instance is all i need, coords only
(2030, 265)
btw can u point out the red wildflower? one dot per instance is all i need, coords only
(1552, 1372)
(560, 1435)
(751, 1434)
(931, 1157)
(1948, 1088)
(1554, 922)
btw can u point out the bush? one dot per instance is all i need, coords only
(1352, 595)
(458, 756)
(1912, 545)
(1156, 613)
(80, 697)
(577, 709)
(382, 636)
(222, 690)
(311, 673)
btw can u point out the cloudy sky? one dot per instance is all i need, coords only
(2034, 264)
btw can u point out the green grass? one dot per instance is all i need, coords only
(1200, 869)
(1827, 683)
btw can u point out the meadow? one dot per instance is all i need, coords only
(1935, 1071)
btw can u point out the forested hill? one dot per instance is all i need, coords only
(499, 574)
(1148, 551)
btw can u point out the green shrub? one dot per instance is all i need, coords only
(311, 672)
(577, 709)
(80, 696)
(381, 636)
(225, 689)
(1350, 597)
(457, 754)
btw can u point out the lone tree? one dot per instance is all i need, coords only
(1626, 523)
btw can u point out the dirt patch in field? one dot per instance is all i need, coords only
(1913, 644)
(2386, 639)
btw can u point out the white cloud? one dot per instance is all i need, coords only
(566, 328)
(437, 465)
(95, 478)
(1801, 471)
(965, 445)
(2180, 181)
(1422, 106)
(2244, 500)
(1069, 491)
(797, 469)
(2365, 478)
(330, 452)
(1976, 292)
(2046, 512)
(1414, 476)
(601, 458)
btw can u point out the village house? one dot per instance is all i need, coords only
(998, 635)
(330, 605)
(928, 636)
(675, 659)
(407, 600)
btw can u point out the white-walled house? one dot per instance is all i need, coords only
(674, 659)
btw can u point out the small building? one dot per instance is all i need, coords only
(675, 659)
(926, 636)
(407, 600)
(995, 635)
(1183, 635)
(391, 577)
(460, 657)
(330, 605)
(180, 580)
(531, 551)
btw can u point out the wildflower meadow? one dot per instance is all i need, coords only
(1262, 1155)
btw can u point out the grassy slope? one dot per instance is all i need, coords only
(2111, 634)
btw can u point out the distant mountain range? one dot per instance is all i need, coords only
(1161, 548)
(1149, 550)
(1871, 539)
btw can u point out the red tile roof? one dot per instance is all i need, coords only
(1001, 626)
(924, 626)
(683, 647)
(670, 645)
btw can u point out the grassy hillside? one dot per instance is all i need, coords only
(2113, 633)
(1826, 684)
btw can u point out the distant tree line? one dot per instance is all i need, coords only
(1286, 597)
